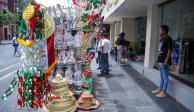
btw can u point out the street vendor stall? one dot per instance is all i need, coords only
(55, 62)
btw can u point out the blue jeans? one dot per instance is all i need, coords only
(104, 63)
(164, 72)
(16, 49)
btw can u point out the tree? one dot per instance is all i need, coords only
(6, 17)
(21, 5)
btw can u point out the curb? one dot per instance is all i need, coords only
(5, 43)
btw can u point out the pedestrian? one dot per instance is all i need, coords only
(132, 54)
(98, 44)
(16, 45)
(115, 47)
(120, 47)
(105, 48)
(164, 60)
(125, 55)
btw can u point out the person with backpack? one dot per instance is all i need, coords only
(164, 60)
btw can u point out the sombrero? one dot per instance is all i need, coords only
(87, 101)
(28, 12)
(49, 25)
(72, 108)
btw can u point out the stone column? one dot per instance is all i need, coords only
(112, 34)
(151, 36)
(117, 28)
(128, 27)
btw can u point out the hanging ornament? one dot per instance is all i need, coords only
(37, 7)
(84, 16)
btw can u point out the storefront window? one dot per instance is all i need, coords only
(141, 34)
(179, 16)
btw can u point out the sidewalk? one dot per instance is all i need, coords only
(5, 42)
(102, 92)
(131, 92)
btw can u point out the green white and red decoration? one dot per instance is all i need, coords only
(36, 36)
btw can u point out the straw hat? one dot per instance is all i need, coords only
(58, 81)
(62, 99)
(61, 109)
(49, 25)
(28, 12)
(87, 101)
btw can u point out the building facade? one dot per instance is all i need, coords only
(3, 28)
(9, 30)
(141, 20)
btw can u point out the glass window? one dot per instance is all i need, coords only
(179, 16)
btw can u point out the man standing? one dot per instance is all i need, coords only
(105, 48)
(120, 42)
(98, 44)
(164, 60)
(115, 46)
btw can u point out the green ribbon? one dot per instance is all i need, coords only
(11, 87)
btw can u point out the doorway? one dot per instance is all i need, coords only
(5, 33)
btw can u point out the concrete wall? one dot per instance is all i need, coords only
(128, 27)
(112, 34)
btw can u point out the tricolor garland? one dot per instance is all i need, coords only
(91, 18)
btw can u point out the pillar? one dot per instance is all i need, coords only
(151, 36)
(117, 28)
(128, 27)
(112, 34)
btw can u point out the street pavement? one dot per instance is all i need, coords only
(124, 90)
(8, 67)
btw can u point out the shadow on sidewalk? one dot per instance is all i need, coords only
(168, 104)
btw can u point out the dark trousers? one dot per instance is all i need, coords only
(104, 63)
(99, 58)
(16, 49)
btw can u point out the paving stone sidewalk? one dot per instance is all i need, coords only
(132, 92)
(102, 92)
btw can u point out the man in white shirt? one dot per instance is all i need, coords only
(105, 48)
(16, 45)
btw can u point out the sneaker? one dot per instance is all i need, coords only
(161, 94)
(121, 64)
(156, 91)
